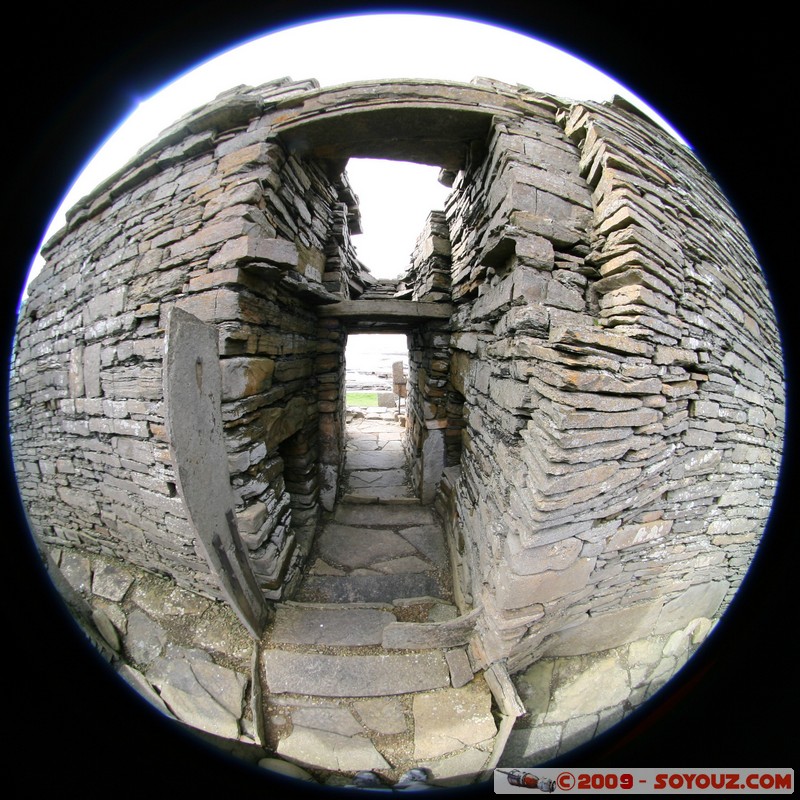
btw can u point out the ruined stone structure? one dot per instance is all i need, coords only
(595, 402)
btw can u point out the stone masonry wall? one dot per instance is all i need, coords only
(622, 375)
(216, 218)
(599, 421)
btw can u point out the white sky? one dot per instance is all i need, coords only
(360, 48)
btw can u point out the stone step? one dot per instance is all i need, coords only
(346, 626)
(383, 515)
(369, 588)
(319, 675)
(380, 496)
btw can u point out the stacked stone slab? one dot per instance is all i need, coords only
(217, 219)
(610, 316)
(599, 420)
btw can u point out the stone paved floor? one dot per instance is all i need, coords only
(338, 699)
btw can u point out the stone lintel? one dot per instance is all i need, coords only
(387, 310)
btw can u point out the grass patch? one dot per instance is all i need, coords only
(362, 399)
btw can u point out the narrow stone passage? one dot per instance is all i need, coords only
(380, 544)
(357, 670)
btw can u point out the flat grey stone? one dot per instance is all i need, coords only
(111, 582)
(106, 628)
(607, 630)
(354, 676)
(442, 612)
(368, 588)
(182, 603)
(421, 635)
(530, 746)
(382, 714)
(328, 750)
(375, 459)
(448, 721)
(428, 540)
(145, 638)
(460, 668)
(137, 681)
(458, 770)
(359, 547)
(320, 567)
(150, 595)
(337, 720)
(382, 477)
(78, 571)
(389, 516)
(220, 631)
(200, 693)
(193, 417)
(376, 494)
(398, 566)
(114, 612)
(329, 626)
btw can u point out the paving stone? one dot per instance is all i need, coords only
(352, 547)
(421, 635)
(221, 632)
(602, 683)
(390, 515)
(380, 494)
(320, 567)
(138, 682)
(111, 582)
(375, 460)
(338, 720)
(397, 566)
(180, 603)
(442, 612)
(199, 692)
(77, 569)
(459, 769)
(329, 626)
(382, 714)
(145, 639)
(106, 628)
(150, 596)
(450, 720)
(377, 477)
(429, 540)
(114, 612)
(333, 751)
(354, 676)
(368, 588)
(527, 747)
(460, 668)
(577, 731)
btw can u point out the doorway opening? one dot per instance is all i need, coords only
(376, 372)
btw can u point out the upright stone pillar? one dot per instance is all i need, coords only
(192, 395)
(433, 464)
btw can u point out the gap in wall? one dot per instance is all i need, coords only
(394, 198)
(368, 363)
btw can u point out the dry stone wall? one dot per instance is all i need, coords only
(217, 219)
(615, 344)
(599, 421)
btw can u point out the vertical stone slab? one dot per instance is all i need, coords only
(433, 463)
(192, 394)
